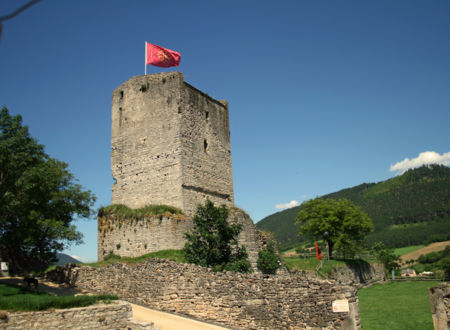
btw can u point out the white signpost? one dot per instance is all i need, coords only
(340, 306)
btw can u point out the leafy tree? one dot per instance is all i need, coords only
(213, 241)
(268, 259)
(340, 223)
(38, 200)
(409, 209)
(386, 256)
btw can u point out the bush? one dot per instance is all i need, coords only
(386, 256)
(268, 259)
(213, 241)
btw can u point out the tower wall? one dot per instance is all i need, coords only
(206, 150)
(170, 144)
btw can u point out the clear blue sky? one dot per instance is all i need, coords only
(323, 95)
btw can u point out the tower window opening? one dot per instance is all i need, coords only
(207, 114)
(205, 145)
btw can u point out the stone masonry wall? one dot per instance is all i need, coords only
(145, 141)
(440, 306)
(249, 236)
(206, 150)
(170, 144)
(359, 274)
(240, 301)
(135, 237)
(116, 315)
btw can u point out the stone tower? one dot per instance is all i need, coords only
(170, 144)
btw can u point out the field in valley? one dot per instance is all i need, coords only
(396, 305)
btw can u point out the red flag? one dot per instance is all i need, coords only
(318, 252)
(160, 56)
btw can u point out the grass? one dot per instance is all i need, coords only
(175, 255)
(407, 249)
(396, 305)
(14, 298)
(296, 263)
(123, 211)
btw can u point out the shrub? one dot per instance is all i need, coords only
(213, 241)
(386, 256)
(268, 259)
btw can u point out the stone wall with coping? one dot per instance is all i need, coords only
(116, 315)
(240, 301)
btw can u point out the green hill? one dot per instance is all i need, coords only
(410, 209)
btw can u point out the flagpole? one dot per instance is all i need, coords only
(145, 62)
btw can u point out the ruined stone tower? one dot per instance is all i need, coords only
(170, 144)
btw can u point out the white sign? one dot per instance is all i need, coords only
(4, 266)
(340, 306)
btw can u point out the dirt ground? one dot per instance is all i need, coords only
(164, 321)
(434, 247)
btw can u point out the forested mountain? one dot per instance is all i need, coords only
(64, 259)
(413, 208)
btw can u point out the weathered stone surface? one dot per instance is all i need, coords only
(170, 144)
(440, 306)
(359, 274)
(244, 301)
(135, 237)
(116, 315)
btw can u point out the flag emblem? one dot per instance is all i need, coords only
(160, 56)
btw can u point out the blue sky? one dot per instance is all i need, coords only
(323, 95)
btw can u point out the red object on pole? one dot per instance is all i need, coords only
(161, 57)
(318, 252)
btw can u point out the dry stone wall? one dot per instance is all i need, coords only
(116, 315)
(240, 301)
(170, 144)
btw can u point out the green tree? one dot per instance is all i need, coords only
(386, 256)
(340, 223)
(268, 259)
(38, 200)
(213, 241)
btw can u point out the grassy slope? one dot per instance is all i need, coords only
(14, 298)
(407, 249)
(296, 263)
(175, 255)
(397, 305)
(406, 210)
